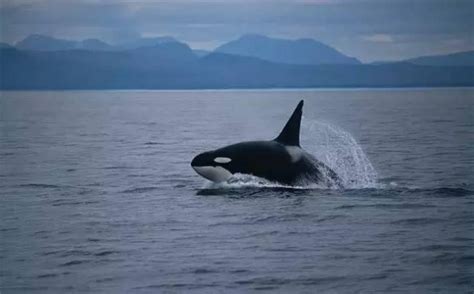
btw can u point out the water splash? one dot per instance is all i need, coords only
(331, 145)
(339, 150)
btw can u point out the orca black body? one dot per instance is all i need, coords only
(280, 160)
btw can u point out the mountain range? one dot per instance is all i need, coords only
(45, 43)
(252, 61)
(302, 51)
(453, 59)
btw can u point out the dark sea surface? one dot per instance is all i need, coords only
(97, 193)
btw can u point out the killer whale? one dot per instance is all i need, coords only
(279, 160)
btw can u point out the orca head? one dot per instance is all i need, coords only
(212, 166)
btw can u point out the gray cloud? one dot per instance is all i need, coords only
(353, 26)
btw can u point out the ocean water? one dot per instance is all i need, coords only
(97, 193)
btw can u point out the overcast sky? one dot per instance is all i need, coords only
(367, 29)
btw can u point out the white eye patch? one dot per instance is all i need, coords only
(222, 159)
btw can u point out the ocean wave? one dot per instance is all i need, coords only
(37, 185)
(140, 190)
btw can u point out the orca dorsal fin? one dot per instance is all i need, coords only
(290, 135)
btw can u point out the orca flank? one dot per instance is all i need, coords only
(280, 160)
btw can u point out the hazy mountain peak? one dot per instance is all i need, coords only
(167, 54)
(44, 43)
(301, 51)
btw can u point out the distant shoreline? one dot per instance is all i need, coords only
(402, 88)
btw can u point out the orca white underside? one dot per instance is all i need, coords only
(213, 173)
